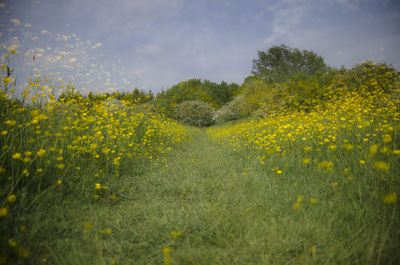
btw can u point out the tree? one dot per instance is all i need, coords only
(280, 63)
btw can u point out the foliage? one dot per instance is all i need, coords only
(196, 113)
(231, 111)
(261, 98)
(279, 63)
(194, 89)
(368, 77)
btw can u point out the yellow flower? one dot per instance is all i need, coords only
(373, 149)
(41, 153)
(334, 184)
(4, 132)
(166, 250)
(59, 182)
(313, 201)
(389, 198)
(16, 156)
(97, 186)
(327, 165)
(348, 147)
(11, 198)
(175, 234)
(279, 171)
(296, 206)
(300, 199)
(60, 166)
(3, 212)
(167, 260)
(12, 243)
(362, 162)
(386, 138)
(24, 253)
(306, 161)
(88, 225)
(381, 165)
(10, 122)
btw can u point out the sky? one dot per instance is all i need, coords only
(103, 45)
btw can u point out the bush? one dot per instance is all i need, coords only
(196, 113)
(234, 110)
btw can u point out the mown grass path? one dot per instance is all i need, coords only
(208, 205)
(196, 204)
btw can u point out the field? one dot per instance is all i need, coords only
(102, 181)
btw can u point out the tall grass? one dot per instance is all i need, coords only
(332, 175)
(71, 148)
(86, 181)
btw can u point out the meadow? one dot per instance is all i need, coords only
(104, 181)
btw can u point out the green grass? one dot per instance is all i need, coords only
(223, 208)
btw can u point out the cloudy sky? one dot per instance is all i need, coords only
(103, 45)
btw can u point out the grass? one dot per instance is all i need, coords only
(209, 205)
(96, 182)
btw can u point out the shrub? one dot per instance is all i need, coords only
(196, 113)
(234, 110)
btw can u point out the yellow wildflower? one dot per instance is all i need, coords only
(389, 198)
(10, 122)
(12, 243)
(300, 198)
(24, 253)
(166, 250)
(3, 212)
(11, 198)
(175, 234)
(381, 165)
(386, 138)
(16, 156)
(41, 153)
(373, 149)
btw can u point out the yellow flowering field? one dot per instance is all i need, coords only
(100, 180)
(73, 145)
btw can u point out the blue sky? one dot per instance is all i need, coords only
(103, 45)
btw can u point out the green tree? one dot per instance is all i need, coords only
(279, 63)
